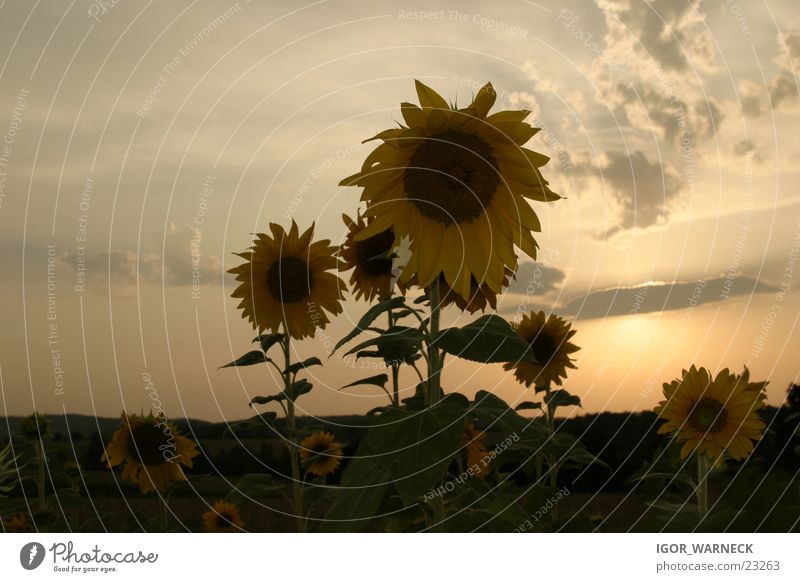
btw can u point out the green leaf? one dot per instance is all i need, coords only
(494, 412)
(561, 398)
(396, 344)
(488, 339)
(296, 390)
(417, 447)
(254, 486)
(307, 363)
(528, 406)
(379, 380)
(370, 316)
(268, 340)
(363, 485)
(250, 358)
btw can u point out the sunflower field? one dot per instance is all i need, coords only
(449, 203)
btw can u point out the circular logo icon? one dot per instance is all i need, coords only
(31, 555)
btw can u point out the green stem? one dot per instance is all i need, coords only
(297, 488)
(434, 373)
(552, 464)
(395, 370)
(702, 485)
(434, 377)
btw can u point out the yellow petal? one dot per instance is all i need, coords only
(429, 98)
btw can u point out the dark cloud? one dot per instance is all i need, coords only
(658, 297)
(643, 190)
(536, 279)
(783, 91)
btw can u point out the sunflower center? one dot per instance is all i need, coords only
(375, 246)
(708, 416)
(224, 520)
(543, 347)
(148, 443)
(452, 177)
(289, 279)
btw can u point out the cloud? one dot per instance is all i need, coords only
(645, 106)
(746, 148)
(668, 32)
(643, 190)
(657, 297)
(180, 264)
(536, 279)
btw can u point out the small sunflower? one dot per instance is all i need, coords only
(320, 453)
(285, 280)
(223, 517)
(18, 524)
(152, 451)
(549, 339)
(712, 416)
(370, 259)
(454, 181)
(473, 442)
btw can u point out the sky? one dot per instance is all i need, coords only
(143, 143)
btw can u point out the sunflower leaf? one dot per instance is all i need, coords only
(298, 388)
(307, 363)
(268, 340)
(371, 315)
(495, 413)
(396, 344)
(266, 399)
(488, 339)
(379, 380)
(363, 486)
(249, 359)
(528, 406)
(417, 447)
(295, 391)
(562, 398)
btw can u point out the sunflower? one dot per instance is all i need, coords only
(152, 451)
(454, 181)
(712, 416)
(320, 453)
(473, 442)
(549, 339)
(18, 524)
(223, 517)
(285, 280)
(371, 260)
(480, 295)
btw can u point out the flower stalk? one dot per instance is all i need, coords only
(297, 487)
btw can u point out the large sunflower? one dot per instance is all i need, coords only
(152, 451)
(223, 517)
(455, 181)
(712, 416)
(371, 260)
(285, 280)
(549, 339)
(320, 453)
